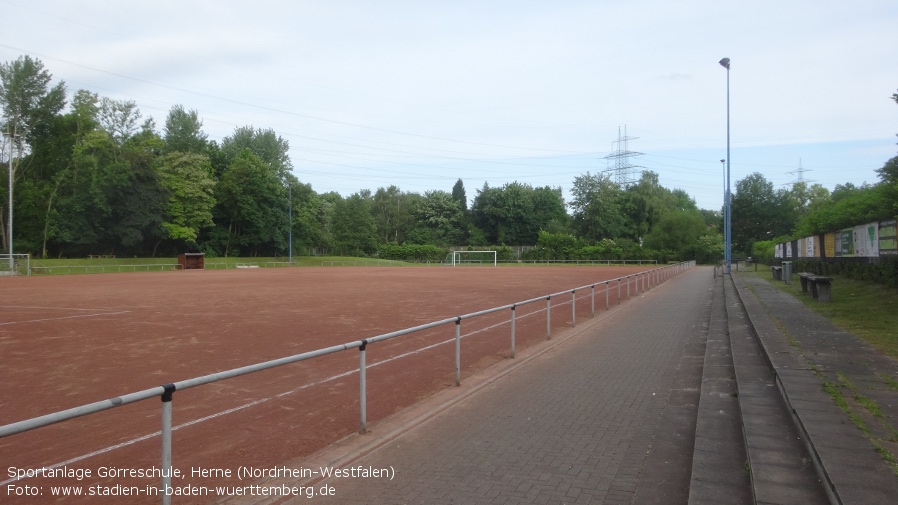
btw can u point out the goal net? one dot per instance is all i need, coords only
(473, 257)
(15, 264)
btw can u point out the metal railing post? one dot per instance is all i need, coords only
(618, 290)
(512, 329)
(548, 317)
(363, 391)
(458, 351)
(628, 287)
(592, 295)
(606, 295)
(573, 308)
(166, 443)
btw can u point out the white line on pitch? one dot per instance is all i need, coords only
(66, 317)
(49, 308)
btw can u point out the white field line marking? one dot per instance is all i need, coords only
(49, 308)
(66, 317)
(263, 400)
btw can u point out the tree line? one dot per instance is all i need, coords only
(93, 176)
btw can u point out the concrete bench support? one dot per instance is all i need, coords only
(821, 288)
(824, 289)
(803, 277)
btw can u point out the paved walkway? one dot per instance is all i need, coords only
(577, 424)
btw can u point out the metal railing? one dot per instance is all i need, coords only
(638, 282)
(148, 267)
(102, 269)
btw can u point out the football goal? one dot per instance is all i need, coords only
(16, 264)
(473, 257)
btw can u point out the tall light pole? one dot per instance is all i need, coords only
(723, 166)
(12, 139)
(727, 246)
(290, 214)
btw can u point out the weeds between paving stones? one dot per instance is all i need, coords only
(833, 389)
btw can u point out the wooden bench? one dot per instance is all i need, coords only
(777, 272)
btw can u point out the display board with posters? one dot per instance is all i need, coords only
(829, 245)
(809, 249)
(847, 243)
(866, 240)
(888, 238)
(869, 240)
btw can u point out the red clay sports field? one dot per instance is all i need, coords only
(70, 340)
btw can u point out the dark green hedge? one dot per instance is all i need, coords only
(412, 252)
(882, 270)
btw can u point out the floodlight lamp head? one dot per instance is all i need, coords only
(725, 63)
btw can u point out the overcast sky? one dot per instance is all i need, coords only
(418, 94)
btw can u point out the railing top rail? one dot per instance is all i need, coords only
(82, 410)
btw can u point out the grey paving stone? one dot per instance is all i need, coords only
(577, 425)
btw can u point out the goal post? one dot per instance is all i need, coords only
(15, 264)
(474, 257)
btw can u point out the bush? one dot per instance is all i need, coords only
(412, 252)
(882, 270)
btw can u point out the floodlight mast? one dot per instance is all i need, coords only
(728, 238)
(723, 166)
(12, 136)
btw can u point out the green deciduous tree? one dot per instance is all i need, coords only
(26, 98)
(119, 118)
(138, 207)
(183, 131)
(190, 190)
(759, 212)
(251, 209)
(596, 206)
(849, 205)
(394, 214)
(309, 220)
(515, 213)
(644, 204)
(677, 232)
(353, 228)
(266, 144)
(439, 220)
(29, 107)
